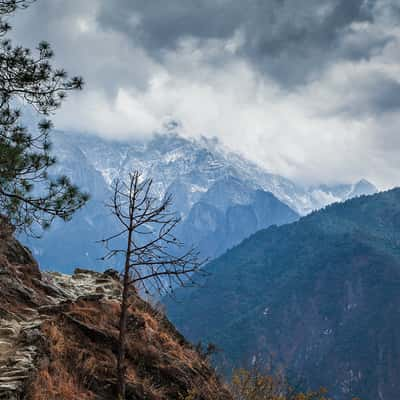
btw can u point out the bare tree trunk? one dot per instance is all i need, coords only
(148, 259)
(121, 384)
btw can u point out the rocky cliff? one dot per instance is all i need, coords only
(58, 338)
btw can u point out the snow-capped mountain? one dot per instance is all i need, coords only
(324, 194)
(190, 167)
(221, 196)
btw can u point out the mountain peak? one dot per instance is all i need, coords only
(366, 186)
(193, 170)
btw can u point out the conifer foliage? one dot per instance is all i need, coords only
(29, 196)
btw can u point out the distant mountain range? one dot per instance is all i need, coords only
(221, 197)
(320, 296)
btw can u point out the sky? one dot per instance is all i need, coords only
(309, 89)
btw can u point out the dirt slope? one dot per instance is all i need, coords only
(58, 338)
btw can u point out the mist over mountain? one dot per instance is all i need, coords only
(221, 197)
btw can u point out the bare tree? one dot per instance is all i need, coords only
(154, 259)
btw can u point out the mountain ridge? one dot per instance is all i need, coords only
(199, 173)
(174, 147)
(312, 295)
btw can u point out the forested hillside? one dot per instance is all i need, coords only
(320, 296)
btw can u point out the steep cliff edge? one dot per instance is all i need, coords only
(58, 338)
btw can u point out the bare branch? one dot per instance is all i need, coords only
(151, 256)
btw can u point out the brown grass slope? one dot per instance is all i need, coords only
(58, 338)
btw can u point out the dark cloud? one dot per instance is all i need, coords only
(285, 38)
(289, 41)
(387, 96)
(160, 25)
(375, 97)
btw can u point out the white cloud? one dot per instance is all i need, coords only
(341, 126)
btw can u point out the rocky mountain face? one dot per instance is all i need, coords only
(320, 296)
(220, 220)
(221, 197)
(58, 338)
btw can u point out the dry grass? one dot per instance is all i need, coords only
(71, 368)
(77, 356)
(56, 383)
(158, 365)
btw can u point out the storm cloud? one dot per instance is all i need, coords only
(309, 89)
(281, 37)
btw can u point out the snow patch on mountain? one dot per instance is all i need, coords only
(193, 166)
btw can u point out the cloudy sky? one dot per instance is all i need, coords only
(308, 88)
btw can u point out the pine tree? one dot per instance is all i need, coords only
(29, 196)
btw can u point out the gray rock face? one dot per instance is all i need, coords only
(20, 337)
(215, 224)
(26, 296)
(16, 356)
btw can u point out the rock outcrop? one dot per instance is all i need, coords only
(58, 338)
